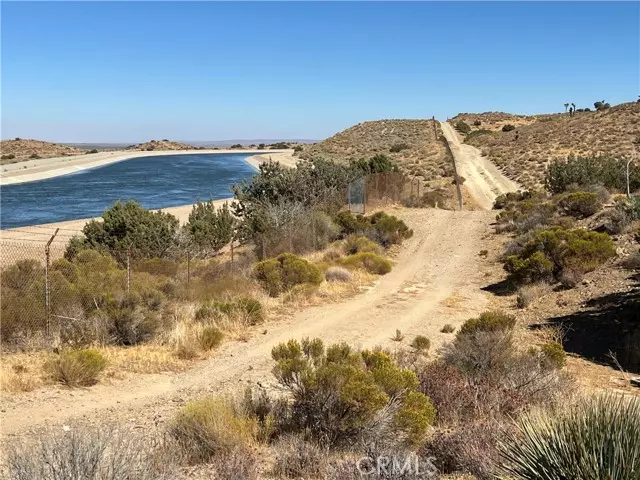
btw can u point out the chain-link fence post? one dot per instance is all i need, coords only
(47, 293)
(128, 270)
(188, 273)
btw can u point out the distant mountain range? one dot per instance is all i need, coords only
(203, 143)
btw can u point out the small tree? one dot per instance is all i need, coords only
(129, 226)
(210, 228)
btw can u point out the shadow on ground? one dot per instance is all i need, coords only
(610, 323)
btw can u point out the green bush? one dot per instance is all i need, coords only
(487, 322)
(597, 439)
(280, 274)
(210, 227)
(477, 133)
(579, 204)
(356, 244)
(371, 262)
(380, 227)
(591, 171)
(421, 343)
(376, 164)
(210, 428)
(76, 368)
(554, 354)
(337, 393)
(128, 226)
(463, 127)
(210, 337)
(508, 128)
(398, 147)
(93, 151)
(249, 309)
(556, 251)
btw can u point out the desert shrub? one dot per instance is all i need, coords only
(579, 204)
(250, 310)
(589, 171)
(212, 427)
(448, 328)
(129, 227)
(299, 458)
(433, 199)
(356, 244)
(421, 343)
(470, 449)
(488, 322)
(277, 199)
(462, 126)
(9, 156)
(157, 266)
(554, 355)
(210, 337)
(448, 390)
(502, 378)
(477, 133)
(210, 227)
(508, 128)
(371, 262)
(557, 251)
(76, 368)
(601, 105)
(34, 156)
(87, 453)
(131, 323)
(337, 274)
(598, 438)
(624, 212)
(377, 164)
(398, 147)
(632, 262)
(380, 227)
(298, 148)
(526, 215)
(477, 123)
(527, 294)
(338, 393)
(280, 274)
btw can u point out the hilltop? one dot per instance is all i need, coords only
(160, 145)
(411, 144)
(19, 150)
(542, 138)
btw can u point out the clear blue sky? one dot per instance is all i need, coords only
(125, 71)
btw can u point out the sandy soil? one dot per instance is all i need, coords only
(483, 179)
(32, 170)
(436, 280)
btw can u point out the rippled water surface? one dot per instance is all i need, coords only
(155, 182)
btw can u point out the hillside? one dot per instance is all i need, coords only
(410, 143)
(160, 145)
(19, 149)
(543, 138)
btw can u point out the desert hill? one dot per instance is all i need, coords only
(542, 138)
(412, 144)
(19, 149)
(160, 145)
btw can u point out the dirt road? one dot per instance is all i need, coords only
(483, 179)
(436, 280)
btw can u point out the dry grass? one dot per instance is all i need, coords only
(545, 137)
(22, 149)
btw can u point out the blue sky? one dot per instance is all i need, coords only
(126, 71)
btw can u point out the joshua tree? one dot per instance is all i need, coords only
(566, 105)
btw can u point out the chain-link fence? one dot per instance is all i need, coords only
(48, 300)
(379, 189)
(53, 298)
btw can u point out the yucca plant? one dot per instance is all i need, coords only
(599, 439)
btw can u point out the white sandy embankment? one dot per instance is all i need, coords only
(43, 232)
